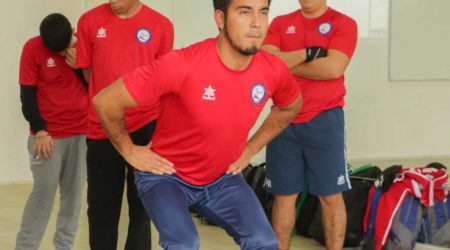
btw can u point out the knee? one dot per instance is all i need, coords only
(45, 189)
(260, 243)
(333, 200)
(285, 201)
(287, 198)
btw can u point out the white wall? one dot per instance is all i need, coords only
(385, 119)
(393, 119)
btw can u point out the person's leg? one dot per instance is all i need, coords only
(72, 177)
(334, 220)
(40, 202)
(283, 219)
(167, 204)
(285, 179)
(327, 172)
(231, 204)
(139, 234)
(106, 176)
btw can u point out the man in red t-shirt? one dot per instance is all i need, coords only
(54, 102)
(317, 43)
(211, 94)
(114, 39)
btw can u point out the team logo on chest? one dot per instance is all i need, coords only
(209, 94)
(258, 93)
(143, 36)
(324, 28)
(101, 33)
(51, 63)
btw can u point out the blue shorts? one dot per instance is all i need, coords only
(309, 157)
(229, 202)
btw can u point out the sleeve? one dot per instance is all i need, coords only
(28, 69)
(344, 40)
(30, 108)
(273, 36)
(164, 76)
(167, 39)
(286, 89)
(83, 44)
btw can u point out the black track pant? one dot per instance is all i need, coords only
(107, 171)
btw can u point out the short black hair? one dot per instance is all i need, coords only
(56, 32)
(223, 5)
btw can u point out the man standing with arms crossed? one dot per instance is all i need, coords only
(317, 44)
(114, 39)
(211, 94)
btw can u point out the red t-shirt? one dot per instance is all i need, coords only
(61, 97)
(112, 46)
(207, 109)
(332, 31)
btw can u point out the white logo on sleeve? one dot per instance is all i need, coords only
(51, 63)
(101, 33)
(267, 183)
(209, 94)
(291, 30)
(341, 180)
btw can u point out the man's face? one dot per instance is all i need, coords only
(312, 5)
(121, 6)
(245, 24)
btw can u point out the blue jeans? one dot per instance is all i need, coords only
(229, 202)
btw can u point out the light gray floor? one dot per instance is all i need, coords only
(13, 199)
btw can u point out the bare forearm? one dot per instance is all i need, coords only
(276, 122)
(112, 119)
(110, 104)
(273, 125)
(291, 58)
(325, 68)
(318, 69)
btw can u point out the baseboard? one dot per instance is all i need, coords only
(420, 246)
(24, 181)
(399, 158)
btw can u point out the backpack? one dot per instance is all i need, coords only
(436, 224)
(405, 217)
(255, 177)
(405, 226)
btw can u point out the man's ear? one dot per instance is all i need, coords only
(219, 17)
